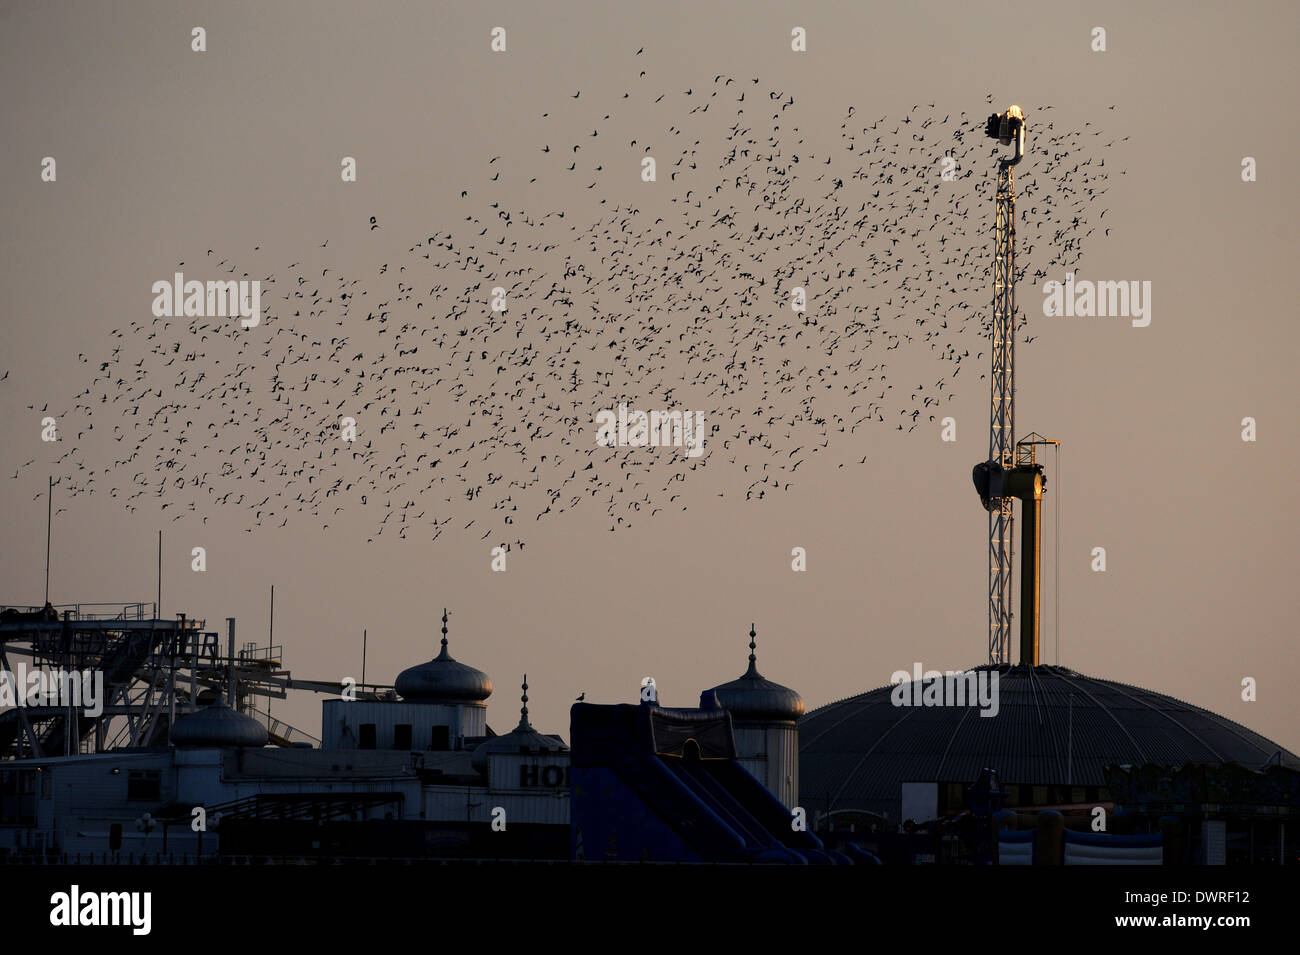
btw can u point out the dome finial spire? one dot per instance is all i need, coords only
(444, 629)
(753, 664)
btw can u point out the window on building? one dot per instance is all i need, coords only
(366, 738)
(18, 796)
(144, 784)
(402, 736)
(956, 796)
(441, 738)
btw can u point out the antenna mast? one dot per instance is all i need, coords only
(1008, 128)
(1012, 470)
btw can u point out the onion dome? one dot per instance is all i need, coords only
(522, 739)
(443, 680)
(753, 699)
(217, 725)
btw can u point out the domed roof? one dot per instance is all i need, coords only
(1053, 727)
(217, 725)
(522, 739)
(751, 698)
(443, 680)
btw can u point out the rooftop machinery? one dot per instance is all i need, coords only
(154, 671)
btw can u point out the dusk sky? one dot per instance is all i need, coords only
(164, 153)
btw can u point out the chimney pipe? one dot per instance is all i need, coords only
(1031, 581)
(1026, 482)
(230, 678)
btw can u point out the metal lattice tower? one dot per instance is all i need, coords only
(1002, 414)
(1008, 127)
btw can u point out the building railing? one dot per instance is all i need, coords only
(109, 610)
(280, 729)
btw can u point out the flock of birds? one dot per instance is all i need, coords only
(468, 418)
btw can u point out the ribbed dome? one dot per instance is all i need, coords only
(522, 739)
(751, 698)
(443, 680)
(217, 725)
(1053, 727)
